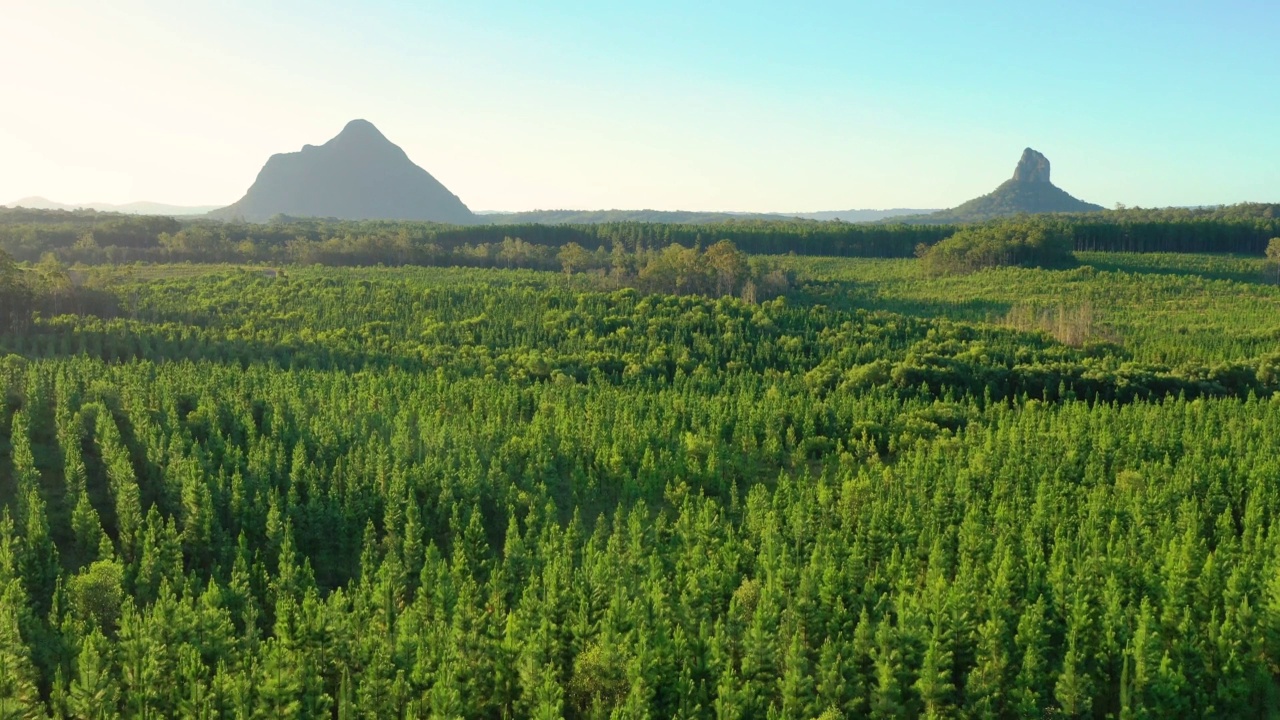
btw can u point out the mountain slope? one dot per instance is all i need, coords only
(358, 175)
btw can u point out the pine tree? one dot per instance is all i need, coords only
(1027, 696)
(1073, 689)
(279, 689)
(987, 683)
(934, 683)
(1143, 655)
(87, 527)
(758, 664)
(797, 681)
(446, 697)
(833, 691)
(195, 698)
(547, 697)
(140, 663)
(40, 566)
(19, 696)
(730, 704)
(886, 698)
(863, 668)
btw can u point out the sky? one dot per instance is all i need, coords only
(663, 104)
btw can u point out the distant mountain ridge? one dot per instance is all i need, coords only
(1028, 192)
(357, 175)
(856, 216)
(689, 217)
(134, 208)
(543, 217)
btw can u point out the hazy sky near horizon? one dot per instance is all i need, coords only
(665, 104)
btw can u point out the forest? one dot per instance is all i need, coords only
(90, 237)
(608, 475)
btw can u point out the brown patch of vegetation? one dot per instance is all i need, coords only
(1072, 325)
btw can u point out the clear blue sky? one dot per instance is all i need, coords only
(672, 105)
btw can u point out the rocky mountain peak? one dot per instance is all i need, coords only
(361, 130)
(1032, 168)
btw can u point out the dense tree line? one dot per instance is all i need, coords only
(94, 238)
(1192, 235)
(1026, 244)
(89, 237)
(479, 493)
(1243, 229)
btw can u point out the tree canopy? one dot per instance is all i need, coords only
(1025, 244)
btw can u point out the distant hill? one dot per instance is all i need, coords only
(1028, 192)
(593, 217)
(133, 208)
(596, 217)
(358, 175)
(855, 216)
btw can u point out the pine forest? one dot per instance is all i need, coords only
(792, 470)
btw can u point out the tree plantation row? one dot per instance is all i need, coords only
(462, 493)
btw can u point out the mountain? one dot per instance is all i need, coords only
(690, 217)
(133, 208)
(1029, 191)
(358, 175)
